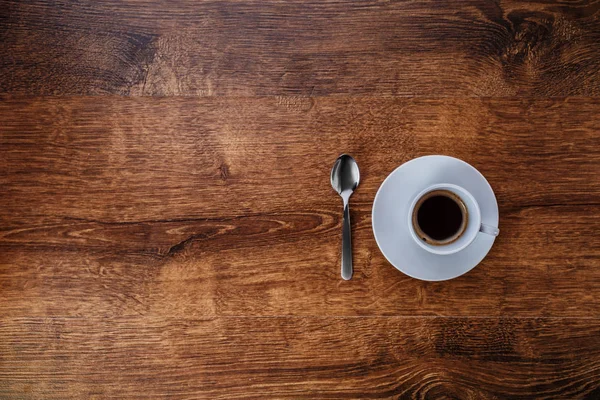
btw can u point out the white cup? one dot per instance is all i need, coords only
(473, 223)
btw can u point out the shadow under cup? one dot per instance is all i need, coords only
(444, 219)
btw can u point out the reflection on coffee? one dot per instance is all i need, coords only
(440, 217)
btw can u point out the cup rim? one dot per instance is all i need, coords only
(473, 219)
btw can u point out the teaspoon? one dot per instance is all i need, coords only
(344, 179)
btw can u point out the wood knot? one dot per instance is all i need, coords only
(530, 37)
(223, 171)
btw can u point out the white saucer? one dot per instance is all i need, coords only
(390, 210)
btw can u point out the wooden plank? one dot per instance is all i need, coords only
(193, 207)
(545, 263)
(130, 160)
(250, 47)
(339, 358)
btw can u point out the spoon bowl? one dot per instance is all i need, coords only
(345, 175)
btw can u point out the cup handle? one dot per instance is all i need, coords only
(490, 230)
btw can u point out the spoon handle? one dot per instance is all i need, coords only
(346, 244)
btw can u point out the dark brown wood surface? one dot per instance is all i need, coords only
(299, 358)
(167, 227)
(315, 47)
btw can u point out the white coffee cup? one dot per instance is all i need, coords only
(471, 225)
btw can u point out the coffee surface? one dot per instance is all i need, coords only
(440, 217)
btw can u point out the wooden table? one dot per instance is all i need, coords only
(168, 229)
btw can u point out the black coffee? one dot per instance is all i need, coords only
(440, 217)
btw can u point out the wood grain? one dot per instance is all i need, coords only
(203, 207)
(167, 227)
(247, 47)
(299, 358)
(130, 160)
(279, 265)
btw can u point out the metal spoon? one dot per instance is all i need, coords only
(344, 180)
